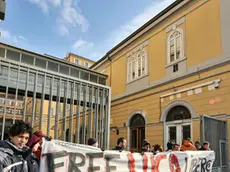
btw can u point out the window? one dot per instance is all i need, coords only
(175, 45)
(76, 61)
(86, 64)
(175, 68)
(136, 66)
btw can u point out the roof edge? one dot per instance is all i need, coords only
(167, 9)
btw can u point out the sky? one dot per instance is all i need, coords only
(89, 28)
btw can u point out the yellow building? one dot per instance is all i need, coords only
(168, 73)
(79, 60)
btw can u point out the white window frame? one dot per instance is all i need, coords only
(87, 64)
(78, 61)
(181, 46)
(134, 59)
(179, 127)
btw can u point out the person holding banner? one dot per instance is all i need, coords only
(15, 156)
(93, 142)
(121, 144)
(205, 146)
(145, 146)
(187, 145)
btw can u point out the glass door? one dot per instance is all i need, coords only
(137, 137)
(186, 131)
(177, 132)
(172, 134)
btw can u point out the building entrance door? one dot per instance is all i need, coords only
(177, 125)
(177, 132)
(137, 130)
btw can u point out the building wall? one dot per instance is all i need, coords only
(198, 31)
(203, 72)
(71, 58)
(209, 101)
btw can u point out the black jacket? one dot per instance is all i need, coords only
(118, 148)
(10, 154)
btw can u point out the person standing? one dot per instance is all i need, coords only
(121, 144)
(205, 146)
(187, 145)
(176, 147)
(93, 142)
(197, 145)
(15, 156)
(145, 146)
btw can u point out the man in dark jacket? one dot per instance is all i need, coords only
(121, 144)
(205, 146)
(14, 155)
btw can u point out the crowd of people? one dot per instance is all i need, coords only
(187, 145)
(21, 152)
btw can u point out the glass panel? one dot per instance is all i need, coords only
(40, 63)
(137, 120)
(139, 67)
(53, 66)
(86, 64)
(74, 73)
(31, 77)
(178, 113)
(84, 75)
(134, 139)
(64, 69)
(48, 81)
(27, 59)
(133, 69)
(130, 71)
(76, 61)
(13, 74)
(13, 55)
(172, 58)
(93, 78)
(178, 47)
(22, 76)
(141, 137)
(2, 52)
(40, 79)
(186, 131)
(172, 134)
(223, 154)
(102, 81)
(143, 64)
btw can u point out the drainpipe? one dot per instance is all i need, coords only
(109, 58)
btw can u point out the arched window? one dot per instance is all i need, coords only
(137, 128)
(178, 113)
(175, 46)
(137, 66)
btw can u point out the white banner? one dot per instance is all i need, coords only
(58, 156)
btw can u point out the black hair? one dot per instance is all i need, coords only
(121, 139)
(197, 142)
(91, 141)
(205, 143)
(174, 145)
(20, 127)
